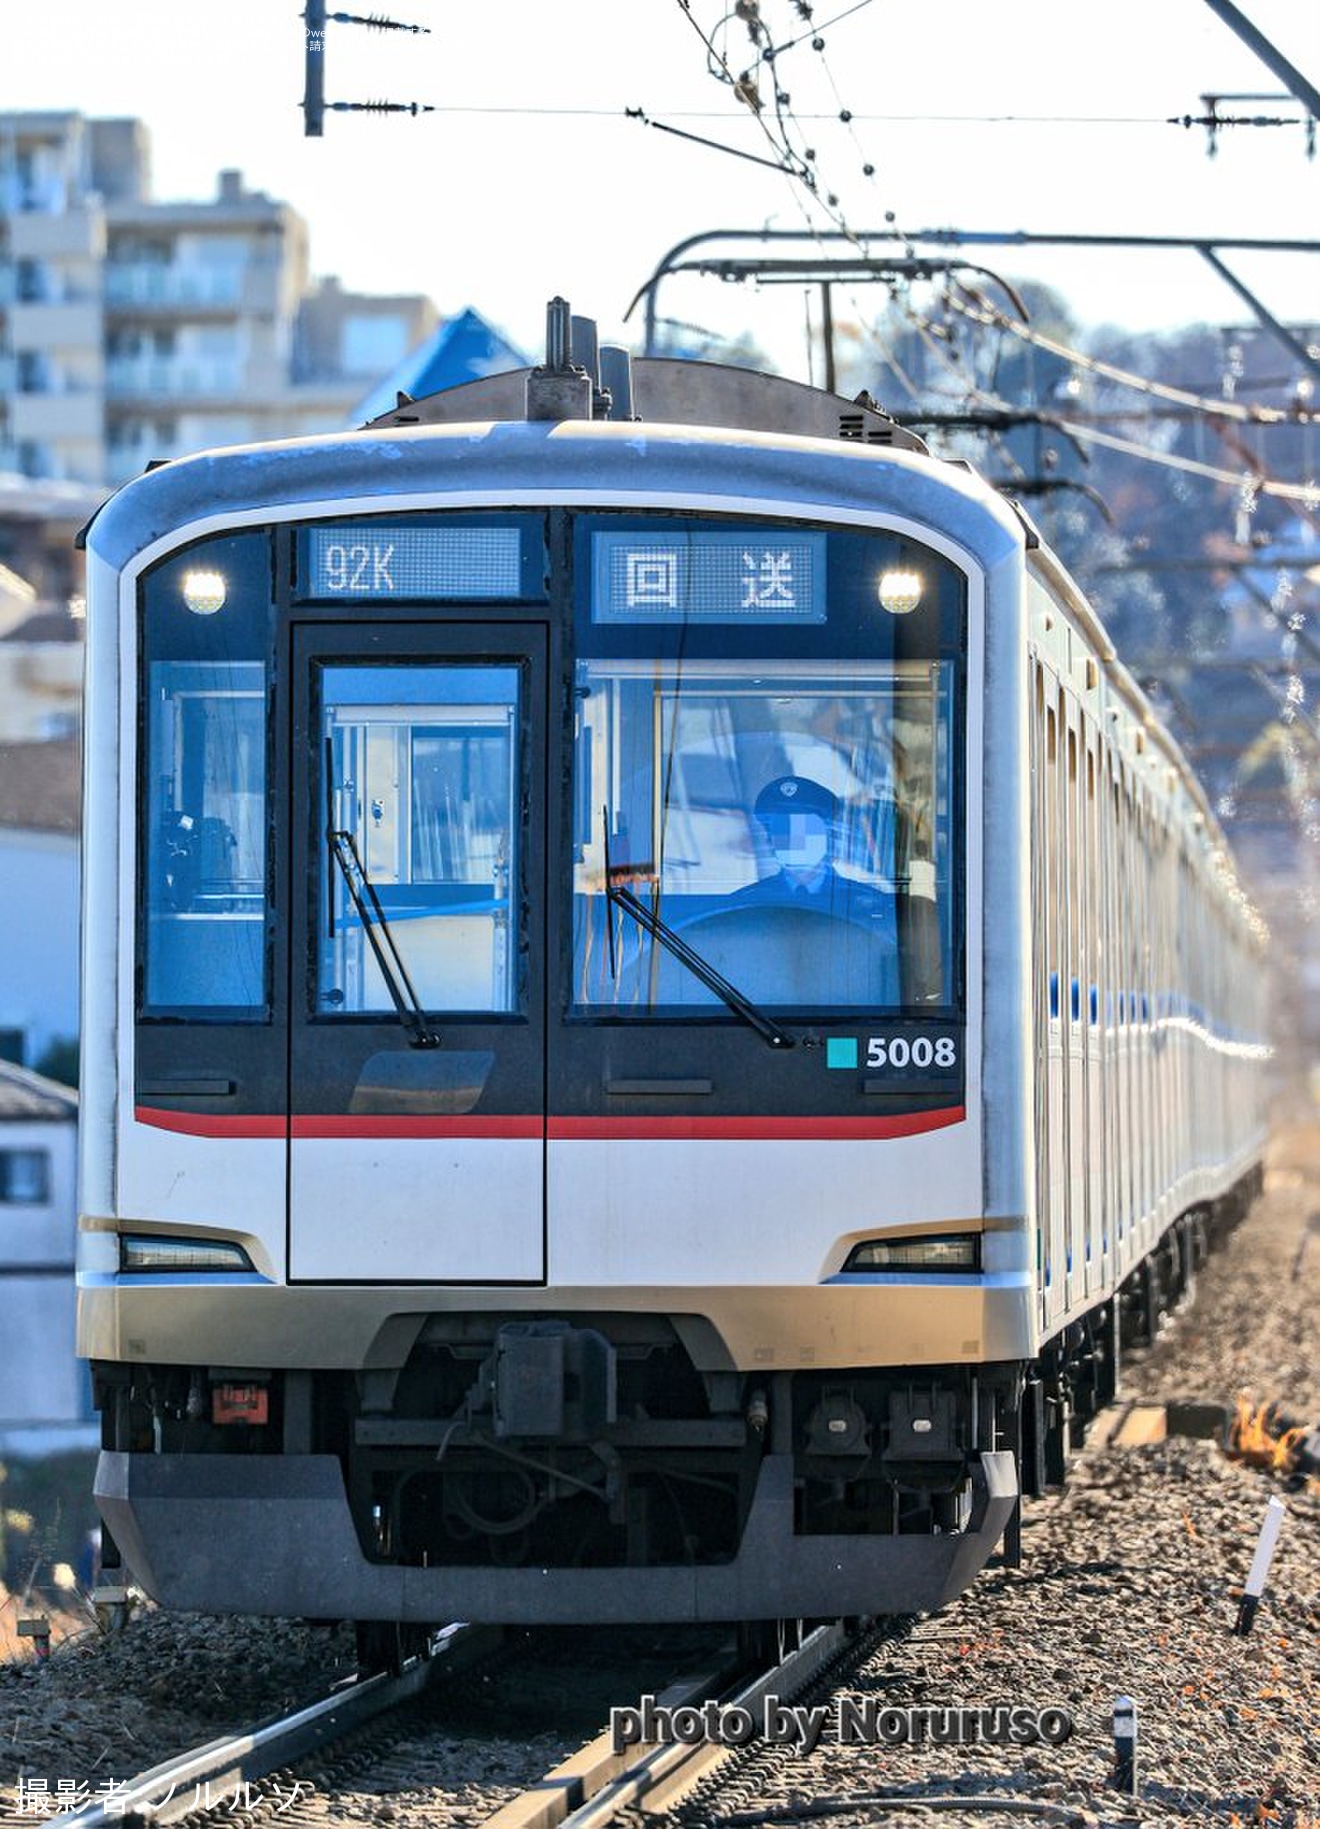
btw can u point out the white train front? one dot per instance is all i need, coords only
(653, 996)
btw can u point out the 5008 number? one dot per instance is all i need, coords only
(920, 1051)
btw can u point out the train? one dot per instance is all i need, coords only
(658, 1008)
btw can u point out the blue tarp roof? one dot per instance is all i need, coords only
(464, 348)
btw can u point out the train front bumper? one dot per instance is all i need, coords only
(273, 1535)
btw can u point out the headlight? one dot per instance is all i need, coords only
(960, 1252)
(900, 591)
(181, 1254)
(204, 592)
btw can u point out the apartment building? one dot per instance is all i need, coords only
(133, 330)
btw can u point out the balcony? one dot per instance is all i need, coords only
(37, 418)
(31, 194)
(157, 378)
(59, 324)
(150, 286)
(78, 233)
(34, 460)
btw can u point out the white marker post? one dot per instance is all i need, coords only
(1125, 1746)
(1249, 1605)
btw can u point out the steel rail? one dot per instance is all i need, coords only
(169, 1791)
(597, 1784)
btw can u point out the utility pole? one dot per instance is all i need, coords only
(314, 104)
(314, 65)
(827, 333)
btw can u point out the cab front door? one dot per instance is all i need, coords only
(417, 993)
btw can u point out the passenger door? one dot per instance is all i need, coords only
(417, 989)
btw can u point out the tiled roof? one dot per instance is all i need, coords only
(24, 1094)
(49, 624)
(463, 348)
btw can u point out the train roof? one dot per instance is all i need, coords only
(504, 461)
(665, 390)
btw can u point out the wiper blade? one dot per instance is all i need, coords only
(362, 893)
(765, 1026)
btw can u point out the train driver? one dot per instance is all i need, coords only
(800, 820)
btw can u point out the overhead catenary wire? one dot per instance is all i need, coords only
(1214, 411)
(814, 115)
(981, 311)
(1253, 484)
(746, 91)
(1308, 494)
(800, 166)
(817, 26)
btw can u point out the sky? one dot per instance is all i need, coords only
(529, 179)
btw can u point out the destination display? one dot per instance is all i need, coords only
(708, 575)
(365, 562)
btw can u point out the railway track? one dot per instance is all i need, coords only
(191, 1782)
(297, 1768)
(702, 1748)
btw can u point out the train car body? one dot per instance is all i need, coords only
(650, 989)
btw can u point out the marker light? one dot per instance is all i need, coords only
(962, 1252)
(204, 592)
(181, 1254)
(900, 592)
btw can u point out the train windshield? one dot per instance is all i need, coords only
(206, 634)
(420, 789)
(766, 764)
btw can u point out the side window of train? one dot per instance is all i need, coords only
(1038, 861)
(205, 640)
(1094, 886)
(1075, 881)
(1054, 861)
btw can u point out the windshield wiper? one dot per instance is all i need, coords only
(343, 849)
(702, 969)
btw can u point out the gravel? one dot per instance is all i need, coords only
(102, 1709)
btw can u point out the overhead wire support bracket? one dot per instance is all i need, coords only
(1214, 120)
(1210, 248)
(831, 271)
(699, 139)
(314, 105)
(1273, 59)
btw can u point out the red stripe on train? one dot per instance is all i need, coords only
(396, 1126)
(908, 1124)
(212, 1124)
(558, 1129)
(220, 1124)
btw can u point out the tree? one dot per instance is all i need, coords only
(60, 1060)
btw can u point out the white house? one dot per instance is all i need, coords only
(45, 1402)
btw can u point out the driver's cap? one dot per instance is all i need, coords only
(795, 794)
